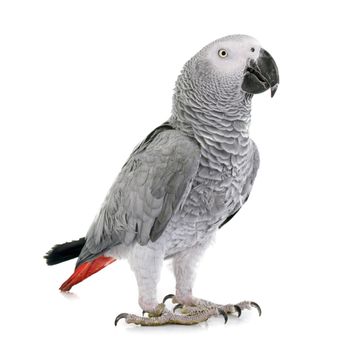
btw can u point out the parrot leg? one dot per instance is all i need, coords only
(147, 264)
(184, 265)
(193, 310)
(147, 279)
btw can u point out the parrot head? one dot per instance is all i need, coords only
(234, 63)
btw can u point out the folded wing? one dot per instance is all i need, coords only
(150, 188)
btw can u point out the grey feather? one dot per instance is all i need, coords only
(150, 188)
(247, 186)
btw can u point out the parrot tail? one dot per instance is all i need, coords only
(85, 270)
(63, 252)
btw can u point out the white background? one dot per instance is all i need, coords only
(82, 82)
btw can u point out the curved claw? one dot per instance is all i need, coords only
(169, 296)
(144, 312)
(119, 317)
(223, 313)
(178, 306)
(238, 310)
(256, 306)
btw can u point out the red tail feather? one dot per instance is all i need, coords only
(85, 270)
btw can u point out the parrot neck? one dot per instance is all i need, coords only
(210, 111)
(223, 124)
(190, 117)
(219, 121)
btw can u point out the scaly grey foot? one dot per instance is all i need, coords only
(171, 318)
(190, 314)
(199, 305)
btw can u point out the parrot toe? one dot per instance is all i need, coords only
(178, 306)
(238, 310)
(245, 305)
(223, 313)
(253, 304)
(203, 305)
(158, 311)
(169, 296)
(119, 317)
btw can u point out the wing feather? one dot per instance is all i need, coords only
(150, 188)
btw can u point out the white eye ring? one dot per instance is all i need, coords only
(222, 53)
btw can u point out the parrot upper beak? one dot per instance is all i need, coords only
(261, 75)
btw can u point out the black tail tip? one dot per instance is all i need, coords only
(63, 252)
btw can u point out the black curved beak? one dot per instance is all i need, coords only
(261, 75)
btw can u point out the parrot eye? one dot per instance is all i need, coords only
(222, 53)
(252, 49)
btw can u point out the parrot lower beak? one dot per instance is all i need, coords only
(261, 75)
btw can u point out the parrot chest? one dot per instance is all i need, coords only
(220, 184)
(213, 199)
(214, 195)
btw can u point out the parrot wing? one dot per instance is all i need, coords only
(151, 187)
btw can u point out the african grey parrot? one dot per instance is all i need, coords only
(187, 179)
